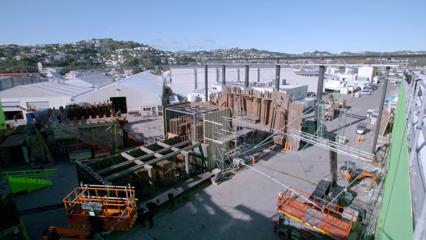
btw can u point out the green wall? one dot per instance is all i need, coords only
(395, 214)
(2, 119)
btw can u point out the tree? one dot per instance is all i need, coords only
(136, 70)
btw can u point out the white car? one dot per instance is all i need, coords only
(361, 128)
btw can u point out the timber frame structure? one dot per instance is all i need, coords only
(156, 165)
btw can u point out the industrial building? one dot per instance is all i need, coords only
(10, 80)
(145, 93)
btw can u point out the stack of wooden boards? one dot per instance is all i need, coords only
(386, 122)
(180, 126)
(183, 127)
(164, 173)
(271, 111)
(75, 112)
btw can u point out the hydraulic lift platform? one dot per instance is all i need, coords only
(313, 219)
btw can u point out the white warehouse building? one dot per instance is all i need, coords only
(143, 92)
(366, 73)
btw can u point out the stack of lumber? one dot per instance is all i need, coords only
(164, 172)
(180, 126)
(386, 122)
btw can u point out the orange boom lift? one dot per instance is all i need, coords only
(314, 217)
(107, 208)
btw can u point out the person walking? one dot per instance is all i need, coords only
(142, 215)
(171, 198)
(152, 207)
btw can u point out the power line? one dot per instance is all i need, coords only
(278, 182)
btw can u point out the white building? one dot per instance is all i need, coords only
(38, 96)
(143, 92)
(332, 70)
(366, 73)
(295, 91)
(335, 85)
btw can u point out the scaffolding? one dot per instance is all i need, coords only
(113, 208)
(226, 138)
(184, 120)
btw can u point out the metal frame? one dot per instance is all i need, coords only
(415, 117)
(192, 111)
(118, 205)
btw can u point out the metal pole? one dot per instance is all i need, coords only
(333, 167)
(258, 74)
(320, 86)
(223, 75)
(217, 75)
(194, 127)
(277, 77)
(238, 74)
(195, 79)
(379, 114)
(246, 83)
(206, 83)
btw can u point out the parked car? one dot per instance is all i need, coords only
(367, 90)
(311, 94)
(361, 128)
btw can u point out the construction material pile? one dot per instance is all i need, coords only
(269, 111)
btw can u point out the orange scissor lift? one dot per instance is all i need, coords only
(113, 207)
(311, 218)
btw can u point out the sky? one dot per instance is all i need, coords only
(291, 26)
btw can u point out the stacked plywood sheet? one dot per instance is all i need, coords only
(180, 126)
(294, 123)
(385, 122)
(268, 110)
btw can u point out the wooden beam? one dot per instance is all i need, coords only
(151, 162)
(141, 158)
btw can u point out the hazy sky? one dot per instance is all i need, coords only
(292, 26)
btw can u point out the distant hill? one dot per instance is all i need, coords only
(119, 55)
(231, 53)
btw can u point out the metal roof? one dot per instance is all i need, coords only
(96, 79)
(140, 89)
(44, 89)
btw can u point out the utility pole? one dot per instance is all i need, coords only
(206, 83)
(277, 77)
(379, 114)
